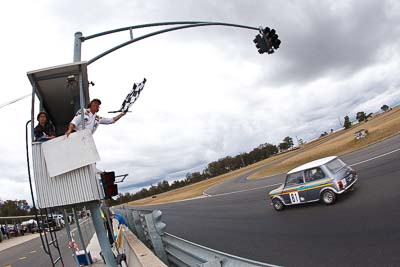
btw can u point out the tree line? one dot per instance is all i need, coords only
(213, 169)
(362, 116)
(15, 208)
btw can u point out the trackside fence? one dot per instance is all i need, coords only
(173, 250)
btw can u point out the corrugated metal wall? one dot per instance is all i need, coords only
(77, 186)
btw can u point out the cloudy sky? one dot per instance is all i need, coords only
(209, 93)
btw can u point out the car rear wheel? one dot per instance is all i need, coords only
(328, 197)
(278, 205)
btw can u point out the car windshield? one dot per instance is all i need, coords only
(335, 165)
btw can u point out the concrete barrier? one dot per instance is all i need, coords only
(137, 254)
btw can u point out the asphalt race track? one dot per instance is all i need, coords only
(361, 229)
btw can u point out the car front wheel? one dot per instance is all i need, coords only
(278, 205)
(328, 197)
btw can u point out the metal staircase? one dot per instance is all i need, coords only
(47, 231)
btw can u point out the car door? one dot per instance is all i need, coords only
(292, 192)
(315, 179)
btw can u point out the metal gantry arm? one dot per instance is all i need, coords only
(147, 25)
(123, 178)
(188, 24)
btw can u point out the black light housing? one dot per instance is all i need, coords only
(109, 186)
(267, 41)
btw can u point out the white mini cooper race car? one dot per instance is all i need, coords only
(318, 180)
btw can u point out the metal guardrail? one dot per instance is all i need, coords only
(87, 230)
(173, 250)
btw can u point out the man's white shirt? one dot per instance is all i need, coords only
(92, 121)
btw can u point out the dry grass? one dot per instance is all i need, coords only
(190, 191)
(379, 128)
(339, 143)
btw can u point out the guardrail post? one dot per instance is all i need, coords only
(134, 225)
(155, 229)
(128, 216)
(130, 221)
(137, 224)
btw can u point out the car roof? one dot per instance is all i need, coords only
(312, 164)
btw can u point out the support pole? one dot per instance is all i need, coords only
(81, 98)
(33, 115)
(77, 47)
(68, 229)
(83, 245)
(77, 58)
(101, 235)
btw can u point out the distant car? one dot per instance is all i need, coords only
(318, 180)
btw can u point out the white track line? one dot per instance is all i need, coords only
(240, 191)
(385, 154)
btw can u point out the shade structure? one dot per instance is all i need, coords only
(59, 93)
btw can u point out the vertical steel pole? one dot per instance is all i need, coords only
(81, 236)
(77, 47)
(81, 97)
(33, 113)
(69, 236)
(131, 33)
(101, 235)
(77, 58)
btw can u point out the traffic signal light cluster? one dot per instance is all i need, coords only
(109, 186)
(267, 41)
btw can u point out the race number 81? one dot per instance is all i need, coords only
(294, 197)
